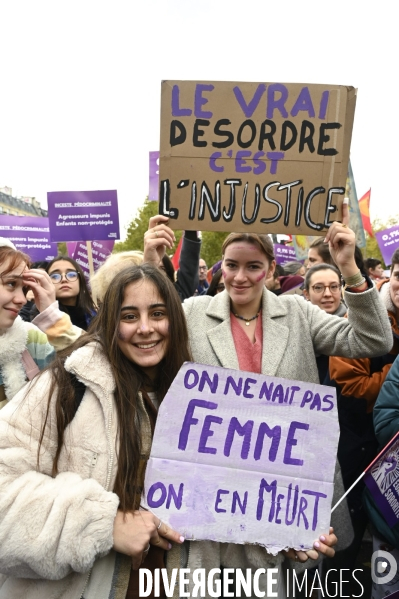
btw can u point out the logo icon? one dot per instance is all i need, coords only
(383, 567)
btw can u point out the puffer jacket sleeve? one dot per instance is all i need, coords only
(386, 409)
(61, 333)
(48, 526)
(365, 333)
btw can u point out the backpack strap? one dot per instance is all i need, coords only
(30, 366)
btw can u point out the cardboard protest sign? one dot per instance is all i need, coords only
(30, 234)
(264, 157)
(284, 253)
(388, 242)
(83, 215)
(244, 458)
(382, 478)
(100, 252)
(154, 176)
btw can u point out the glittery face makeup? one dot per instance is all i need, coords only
(244, 269)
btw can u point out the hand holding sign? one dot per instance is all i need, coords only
(135, 531)
(323, 545)
(342, 243)
(156, 239)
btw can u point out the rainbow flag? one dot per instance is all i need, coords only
(364, 205)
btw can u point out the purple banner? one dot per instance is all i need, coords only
(154, 177)
(100, 251)
(284, 253)
(388, 242)
(382, 478)
(29, 234)
(244, 458)
(83, 215)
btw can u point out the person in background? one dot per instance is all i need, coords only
(272, 280)
(319, 253)
(202, 278)
(71, 291)
(323, 288)
(294, 268)
(217, 284)
(186, 278)
(374, 269)
(114, 263)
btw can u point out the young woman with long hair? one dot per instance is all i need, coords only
(74, 446)
(71, 290)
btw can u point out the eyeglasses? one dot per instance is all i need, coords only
(203, 268)
(319, 288)
(70, 276)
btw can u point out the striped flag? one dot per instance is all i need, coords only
(364, 205)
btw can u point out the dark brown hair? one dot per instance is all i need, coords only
(263, 242)
(84, 300)
(394, 259)
(128, 376)
(322, 249)
(318, 268)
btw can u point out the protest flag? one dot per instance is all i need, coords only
(176, 256)
(364, 205)
(382, 479)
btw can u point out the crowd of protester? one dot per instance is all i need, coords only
(75, 438)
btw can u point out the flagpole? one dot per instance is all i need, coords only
(348, 491)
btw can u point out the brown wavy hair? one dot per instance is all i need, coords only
(128, 376)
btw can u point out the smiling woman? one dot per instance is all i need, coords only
(24, 349)
(81, 465)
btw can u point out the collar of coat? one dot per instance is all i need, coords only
(91, 366)
(221, 338)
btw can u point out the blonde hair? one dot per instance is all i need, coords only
(114, 264)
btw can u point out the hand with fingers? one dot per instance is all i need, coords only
(323, 545)
(42, 287)
(342, 242)
(135, 532)
(158, 237)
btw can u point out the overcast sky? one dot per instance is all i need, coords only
(80, 82)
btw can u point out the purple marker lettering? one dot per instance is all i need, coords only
(292, 442)
(237, 500)
(278, 510)
(260, 164)
(247, 389)
(303, 103)
(274, 157)
(249, 109)
(240, 161)
(212, 162)
(307, 398)
(268, 488)
(189, 420)
(154, 503)
(317, 495)
(274, 103)
(199, 101)
(329, 403)
(219, 500)
(288, 520)
(245, 431)
(323, 104)
(195, 376)
(176, 110)
(303, 504)
(206, 433)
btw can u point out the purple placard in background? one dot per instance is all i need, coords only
(83, 215)
(284, 253)
(154, 177)
(241, 457)
(382, 478)
(100, 251)
(29, 234)
(388, 242)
